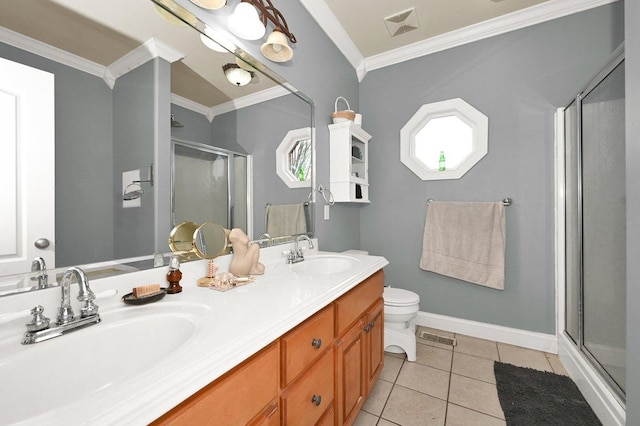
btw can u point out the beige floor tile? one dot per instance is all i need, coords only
(384, 422)
(523, 357)
(407, 407)
(461, 416)
(476, 395)
(424, 379)
(365, 419)
(401, 356)
(473, 367)
(378, 397)
(433, 357)
(391, 368)
(476, 347)
(556, 364)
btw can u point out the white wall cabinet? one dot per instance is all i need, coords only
(349, 162)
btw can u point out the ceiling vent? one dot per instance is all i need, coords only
(402, 22)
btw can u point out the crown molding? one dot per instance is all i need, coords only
(150, 49)
(321, 13)
(47, 51)
(533, 15)
(191, 105)
(253, 99)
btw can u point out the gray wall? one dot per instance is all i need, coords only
(133, 148)
(517, 80)
(84, 165)
(632, 64)
(320, 71)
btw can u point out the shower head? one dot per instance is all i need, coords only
(133, 191)
(175, 123)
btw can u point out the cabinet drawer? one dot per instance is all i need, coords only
(311, 395)
(234, 397)
(305, 343)
(352, 305)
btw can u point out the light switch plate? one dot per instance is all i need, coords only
(326, 211)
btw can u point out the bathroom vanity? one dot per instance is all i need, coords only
(300, 345)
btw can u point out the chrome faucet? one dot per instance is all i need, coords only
(38, 329)
(38, 264)
(296, 255)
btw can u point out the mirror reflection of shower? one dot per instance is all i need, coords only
(134, 190)
(175, 123)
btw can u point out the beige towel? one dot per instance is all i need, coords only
(465, 241)
(286, 219)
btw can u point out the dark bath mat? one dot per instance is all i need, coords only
(531, 397)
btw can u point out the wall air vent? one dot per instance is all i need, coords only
(402, 22)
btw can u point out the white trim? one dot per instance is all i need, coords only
(47, 51)
(245, 101)
(150, 49)
(595, 391)
(513, 336)
(559, 186)
(321, 13)
(533, 15)
(190, 105)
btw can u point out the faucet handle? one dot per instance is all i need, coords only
(39, 321)
(89, 309)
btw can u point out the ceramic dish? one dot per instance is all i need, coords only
(150, 298)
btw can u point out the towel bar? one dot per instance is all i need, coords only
(507, 201)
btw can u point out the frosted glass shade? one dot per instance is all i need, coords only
(245, 22)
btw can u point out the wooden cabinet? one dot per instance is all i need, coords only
(349, 162)
(359, 347)
(234, 397)
(319, 373)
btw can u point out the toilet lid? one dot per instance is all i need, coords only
(399, 297)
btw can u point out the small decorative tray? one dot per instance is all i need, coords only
(150, 298)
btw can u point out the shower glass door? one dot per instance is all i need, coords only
(209, 185)
(596, 224)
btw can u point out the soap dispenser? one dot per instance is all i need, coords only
(174, 276)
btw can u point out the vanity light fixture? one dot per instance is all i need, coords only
(236, 75)
(249, 22)
(210, 4)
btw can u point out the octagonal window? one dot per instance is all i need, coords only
(443, 140)
(293, 158)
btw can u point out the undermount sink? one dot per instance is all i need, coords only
(127, 342)
(324, 264)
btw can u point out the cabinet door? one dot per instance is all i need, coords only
(350, 374)
(270, 416)
(375, 343)
(235, 397)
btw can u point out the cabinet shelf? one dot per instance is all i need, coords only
(349, 155)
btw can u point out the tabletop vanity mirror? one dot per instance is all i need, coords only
(130, 88)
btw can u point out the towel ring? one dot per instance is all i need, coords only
(323, 191)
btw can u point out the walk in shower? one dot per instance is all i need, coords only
(595, 224)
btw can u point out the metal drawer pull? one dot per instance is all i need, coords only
(316, 343)
(316, 399)
(366, 328)
(371, 324)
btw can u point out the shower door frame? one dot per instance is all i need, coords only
(602, 393)
(230, 180)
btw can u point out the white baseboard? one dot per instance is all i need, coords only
(513, 336)
(608, 409)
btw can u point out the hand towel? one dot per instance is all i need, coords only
(465, 241)
(286, 219)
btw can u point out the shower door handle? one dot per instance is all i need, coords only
(41, 243)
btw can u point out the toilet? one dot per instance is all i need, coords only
(400, 310)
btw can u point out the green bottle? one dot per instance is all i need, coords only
(301, 173)
(441, 162)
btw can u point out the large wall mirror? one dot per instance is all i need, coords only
(126, 85)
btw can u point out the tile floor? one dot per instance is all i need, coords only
(447, 385)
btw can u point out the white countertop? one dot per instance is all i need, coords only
(235, 324)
